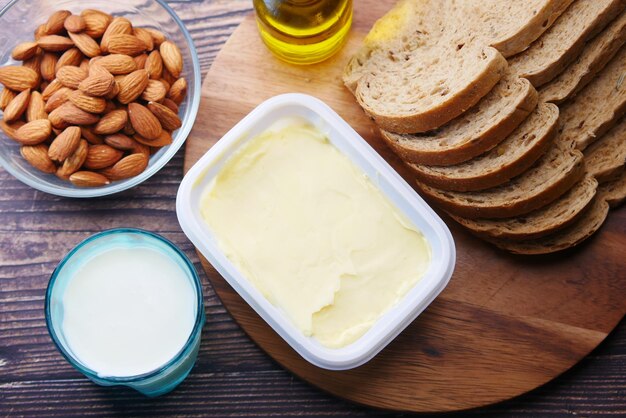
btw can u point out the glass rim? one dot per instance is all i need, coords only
(139, 377)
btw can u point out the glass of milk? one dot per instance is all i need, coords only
(125, 307)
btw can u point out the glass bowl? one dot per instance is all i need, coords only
(18, 21)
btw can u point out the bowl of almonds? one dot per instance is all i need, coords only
(96, 96)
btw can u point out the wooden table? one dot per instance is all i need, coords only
(232, 376)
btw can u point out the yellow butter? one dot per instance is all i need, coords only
(310, 231)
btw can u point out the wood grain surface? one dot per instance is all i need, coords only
(233, 377)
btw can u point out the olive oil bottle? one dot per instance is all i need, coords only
(304, 31)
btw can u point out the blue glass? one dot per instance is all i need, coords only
(156, 382)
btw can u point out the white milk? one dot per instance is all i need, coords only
(128, 311)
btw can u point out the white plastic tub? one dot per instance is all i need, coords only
(380, 173)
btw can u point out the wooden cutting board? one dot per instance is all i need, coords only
(504, 325)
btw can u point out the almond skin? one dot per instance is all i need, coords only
(16, 107)
(88, 179)
(54, 86)
(132, 86)
(34, 63)
(86, 44)
(141, 60)
(74, 162)
(97, 84)
(35, 132)
(96, 22)
(69, 113)
(155, 91)
(144, 122)
(10, 129)
(127, 167)
(101, 156)
(145, 37)
(36, 107)
(72, 56)
(178, 91)
(64, 144)
(118, 64)
(47, 66)
(71, 76)
(5, 97)
(55, 43)
(18, 78)
(170, 105)
(164, 139)
(37, 156)
(125, 44)
(87, 103)
(90, 135)
(55, 22)
(24, 51)
(118, 26)
(154, 65)
(75, 24)
(169, 120)
(172, 58)
(157, 36)
(120, 142)
(111, 123)
(57, 99)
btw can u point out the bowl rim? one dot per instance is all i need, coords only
(193, 103)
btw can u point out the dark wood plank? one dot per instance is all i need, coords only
(233, 376)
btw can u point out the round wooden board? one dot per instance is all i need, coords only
(504, 325)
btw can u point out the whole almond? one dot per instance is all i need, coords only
(36, 107)
(34, 132)
(74, 23)
(75, 116)
(164, 139)
(37, 156)
(86, 44)
(24, 51)
(72, 56)
(144, 122)
(5, 97)
(155, 91)
(56, 120)
(71, 76)
(55, 22)
(74, 162)
(118, 64)
(34, 63)
(55, 43)
(140, 61)
(157, 36)
(127, 167)
(54, 86)
(57, 99)
(145, 36)
(169, 120)
(40, 31)
(178, 91)
(125, 44)
(99, 84)
(16, 107)
(101, 156)
(10, 129)
(141, 149)
(154, 65)
(87, 103)
(88, 179)
(18, 78)
(64, 144)
(170, 105)
(47, 67)
(132, 86)
(96, 22)
(118, 26)
(111, 122)
(120, 142)
(172, 58)
(90, 135)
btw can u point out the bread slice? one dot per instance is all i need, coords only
(606, 158)
(614, 192)
(474, 132)
(564, 41)
(586, 225)
(541, 222)
(597, 107)
(549, 178)
(508, 159)
(597, 53)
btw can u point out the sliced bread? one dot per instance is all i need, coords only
(605, 159)
(474, 132)
(565, 39)
(508, 159)
(585, 226)
(597, 53)
(614, 192)
(597, 107)
(541, 222)
(553, 175)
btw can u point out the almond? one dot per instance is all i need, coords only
(34, 132)
(36, 107)
(55, 22)
(75, 24)
(18, 78)
(101, 156)
(154, 92)
(40, 31)
(74, 162)
(125, 44)
(56, 120)
(34, 63)
(37, 156)
(16, 107)
(111, 123)
(54, 86)
(141, 60)
(47, 67)
(10, 129)
(120, 142)
(170, 105)
(164, 139)
(145, 37)
(86, 44)
(168, 77)
(87, 103)
(114, 92)
(141, 149)
(98, 84)
(172, 58)
(154, 65)
(96, 22)
(128, 128)
(132, 86)
(75, 116)
(169, 120)
(144, 122)
(57, 99)
(118, 26)
(64, 144)
(5, 97)
(84, 64)
(157, 36)
(55, 43)
(88, 133)
(72, 56)
(178, 91)
(118, 64)
(88, 179)
(127, 167)
(24, 51)
(71, 76)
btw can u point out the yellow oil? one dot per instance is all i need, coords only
(304, 31)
